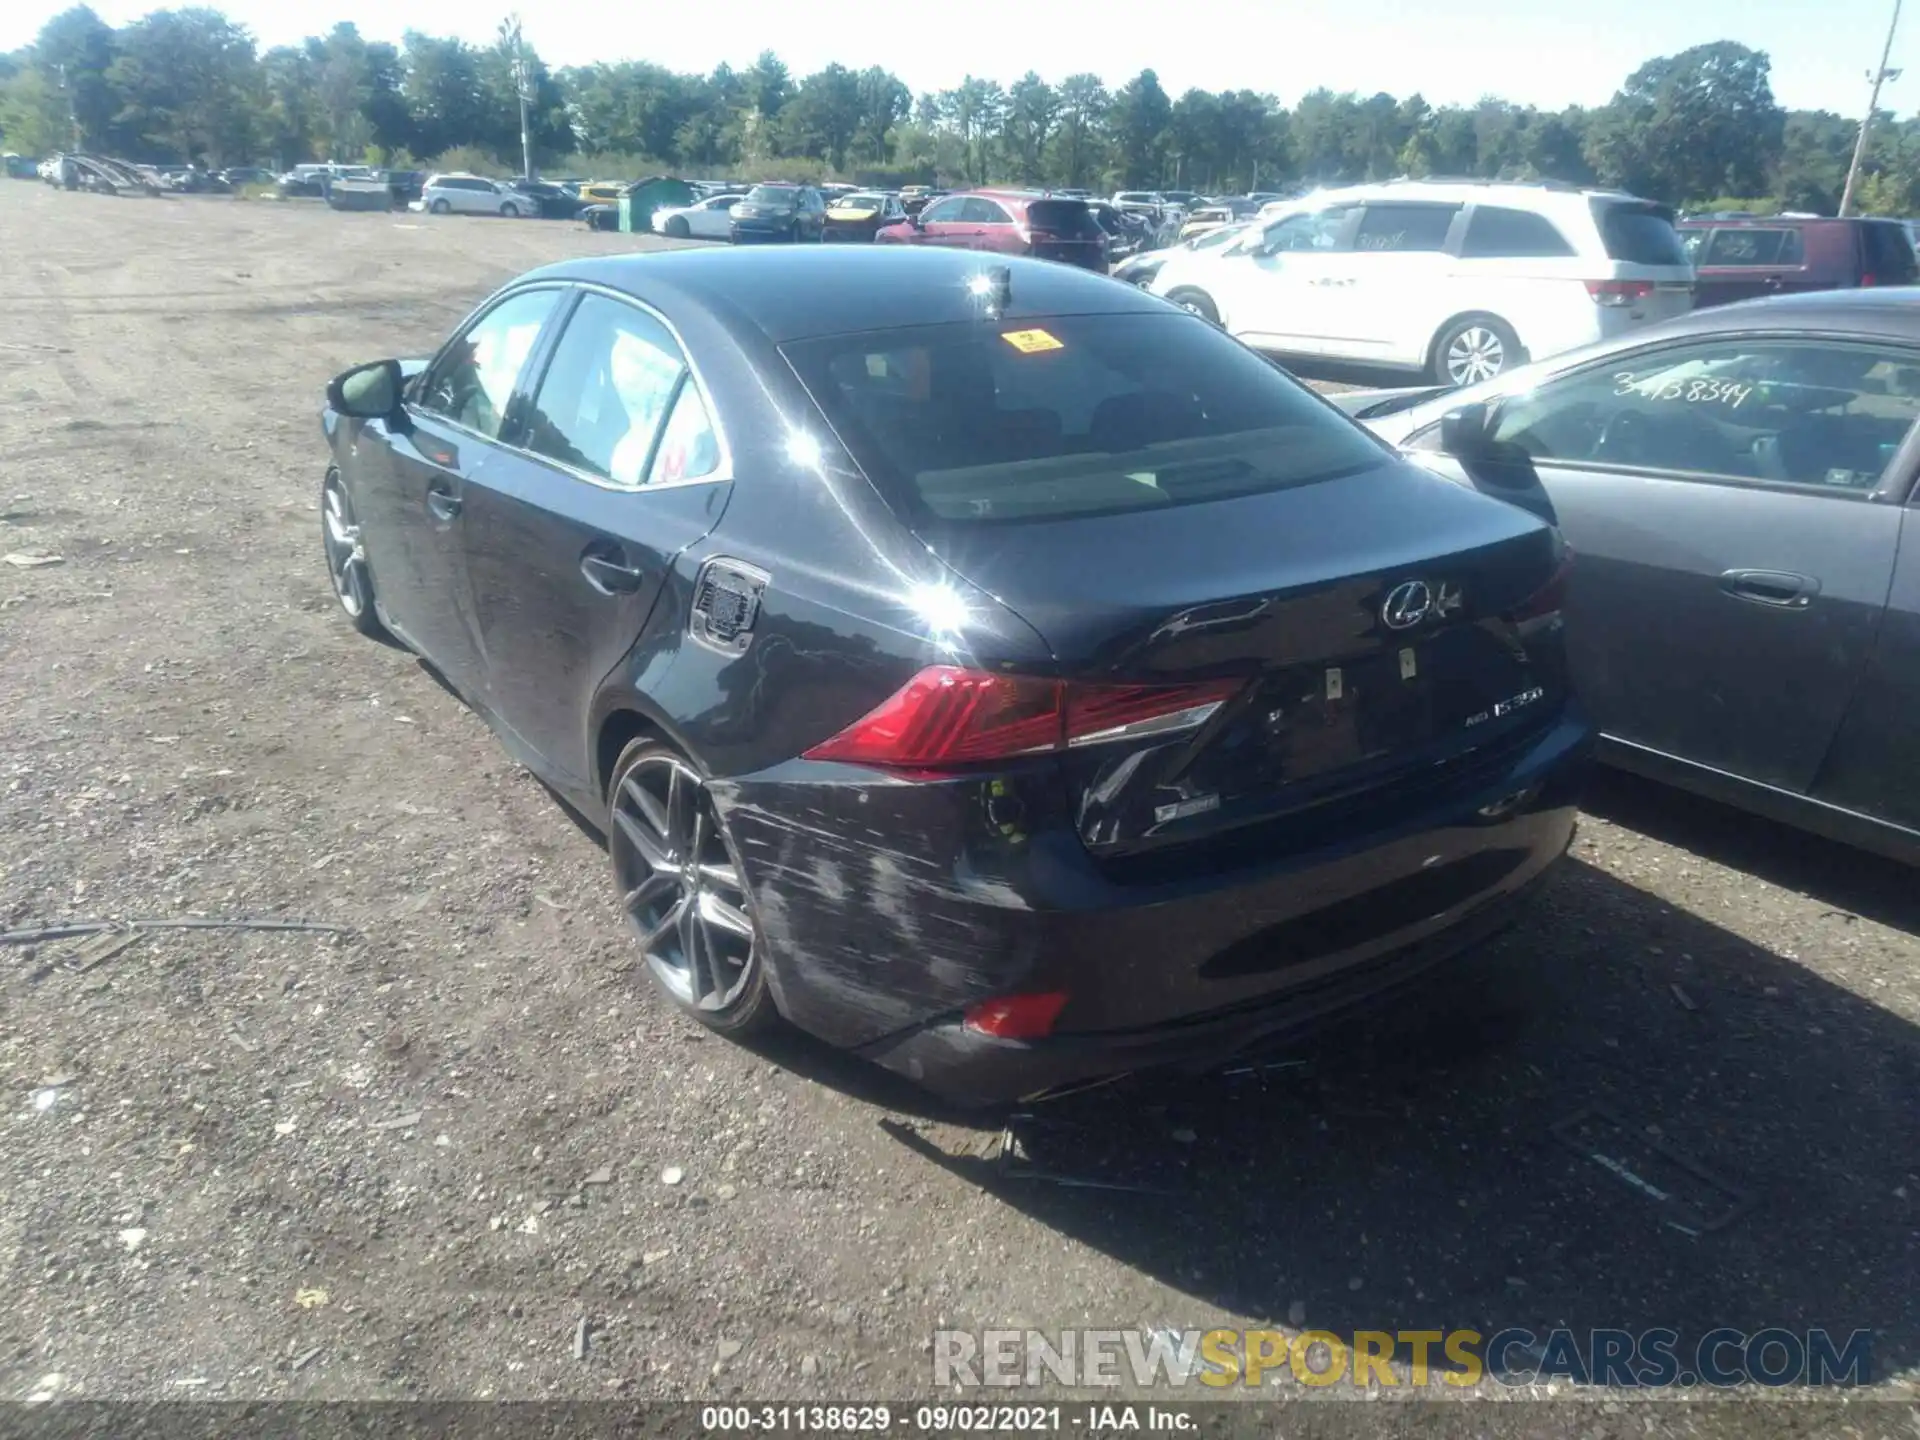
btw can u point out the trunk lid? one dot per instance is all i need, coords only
(1165, 508)
(1291, 592)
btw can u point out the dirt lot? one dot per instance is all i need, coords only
(412, 1161)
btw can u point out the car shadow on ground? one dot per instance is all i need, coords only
(1851, 880)
(1455, 1159)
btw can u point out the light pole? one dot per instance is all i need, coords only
(1879, 77)
(523, 84)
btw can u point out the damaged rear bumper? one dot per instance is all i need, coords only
(969, 1068)
(889, 907)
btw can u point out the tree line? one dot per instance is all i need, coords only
(1699, 128)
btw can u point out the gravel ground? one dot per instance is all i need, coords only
(411, 1161)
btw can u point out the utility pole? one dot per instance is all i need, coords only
(510, 38)
(1879, 77)
(73, 113)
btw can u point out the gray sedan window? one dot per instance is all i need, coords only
(1816, 412)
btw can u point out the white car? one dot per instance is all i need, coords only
(472, 195)
(704, 220)
(1456, 281)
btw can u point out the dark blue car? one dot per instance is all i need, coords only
(982, 665)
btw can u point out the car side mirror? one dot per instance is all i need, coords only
(367, 392)
(917, 220)
(1466, 432)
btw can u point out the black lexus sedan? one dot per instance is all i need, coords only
(987, 667)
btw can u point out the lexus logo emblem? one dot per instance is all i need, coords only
(1407, 604)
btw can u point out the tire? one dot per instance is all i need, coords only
(1197, 302)
(440, 207)
(346, 556)
(677, 228)
(683, 890)
(1473, 348)
(509, 211)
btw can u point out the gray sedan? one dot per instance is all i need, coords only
(1744, 610)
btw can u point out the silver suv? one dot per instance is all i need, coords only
(471, 195)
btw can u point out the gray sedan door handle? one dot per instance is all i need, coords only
(607, 575)
(1780, 588)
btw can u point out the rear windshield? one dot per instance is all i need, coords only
(1889, 253)
(1069, 219)
(1639, 234)
(1045, 419)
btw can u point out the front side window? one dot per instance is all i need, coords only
(614, 375)
(945, 210)
(1785, 412)
(1318, 231)
(1405, 227)
(473, 380)
(1069, 416)
(1751, 247)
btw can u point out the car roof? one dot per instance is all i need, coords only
(1890, 310)
(799, 292)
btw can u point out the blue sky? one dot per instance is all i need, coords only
(1543, 52)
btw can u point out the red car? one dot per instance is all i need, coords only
(1746, 257)
(1008, 222)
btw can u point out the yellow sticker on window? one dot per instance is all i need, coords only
(1030, 342)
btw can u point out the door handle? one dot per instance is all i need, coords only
(608, 575)
(444, 504)
(1780, 588)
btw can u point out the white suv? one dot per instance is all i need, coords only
(472, 195)
(1459, 280)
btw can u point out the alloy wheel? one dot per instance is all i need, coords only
(346, 556)
(681, 884)
(1475, 354)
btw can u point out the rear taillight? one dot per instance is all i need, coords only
(946, 715)
(1619, 292)
(1017, 1017)
(1550, 597)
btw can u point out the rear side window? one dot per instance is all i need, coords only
(1639, 234)
(1888, 253)
(1752, 247)
(1495, 232)
(1046, 419)
(1068, 219)
(1405, 227)
(614, 375)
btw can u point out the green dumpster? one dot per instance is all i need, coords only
(643, 197)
